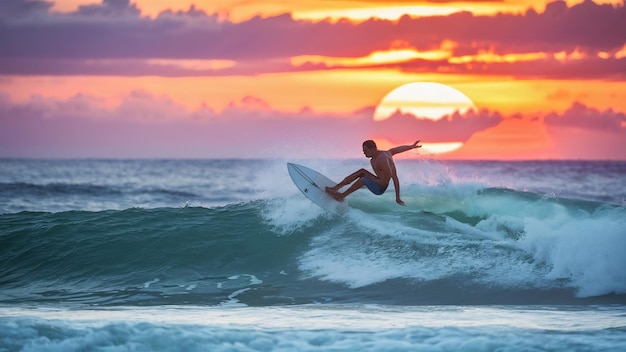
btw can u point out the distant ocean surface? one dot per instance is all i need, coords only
(227, 255)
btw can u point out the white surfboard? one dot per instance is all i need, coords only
(311, 183)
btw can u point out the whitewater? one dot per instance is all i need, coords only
(228, 255)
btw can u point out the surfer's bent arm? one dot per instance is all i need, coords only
(404, 148)
(396, 186)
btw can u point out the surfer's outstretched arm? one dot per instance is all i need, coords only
(404, 148)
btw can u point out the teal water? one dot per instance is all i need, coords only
(228, 255)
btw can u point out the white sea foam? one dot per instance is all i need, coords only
(588, 250)
(313, 328)
(288, 215)
(517, 240)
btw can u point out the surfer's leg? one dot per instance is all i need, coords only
(353, 177)
(338, 196)
(355, 186)
(356, 177)
(341, 196)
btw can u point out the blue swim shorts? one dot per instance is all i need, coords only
(374, 187)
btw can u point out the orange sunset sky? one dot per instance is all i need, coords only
(303, 79)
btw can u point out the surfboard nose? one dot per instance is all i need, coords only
(313, 185)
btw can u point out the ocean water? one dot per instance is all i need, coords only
(227, 255)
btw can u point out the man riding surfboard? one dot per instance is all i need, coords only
(377, 182)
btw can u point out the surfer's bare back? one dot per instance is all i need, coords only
(377, 182)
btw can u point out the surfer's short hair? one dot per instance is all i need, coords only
(369, 144)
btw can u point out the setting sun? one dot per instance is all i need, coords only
(426, 101)
(423, 100)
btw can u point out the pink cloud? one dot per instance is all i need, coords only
(453, 128)
(583, 117)
(147, 126)
(586, 133)
(144, 125)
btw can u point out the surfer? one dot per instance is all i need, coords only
(377, 182)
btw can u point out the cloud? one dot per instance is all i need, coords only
(144, 125)
(582, 132)
(454, 128)
(12, 9)
(583, 117)
(109, 8)
(113, 38)
(584, 68)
